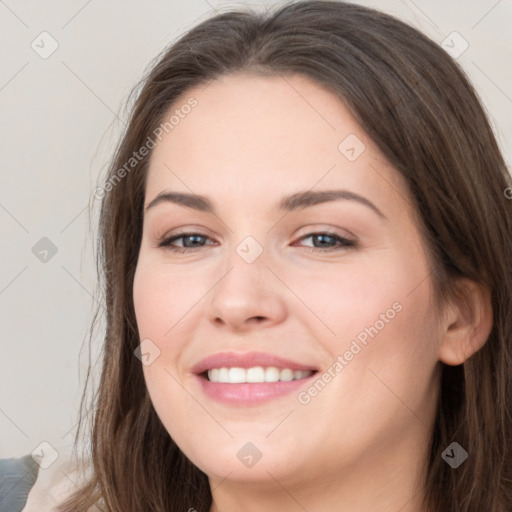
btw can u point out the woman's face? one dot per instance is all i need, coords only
(257, 287)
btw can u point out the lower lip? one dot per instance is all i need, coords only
(250, 393)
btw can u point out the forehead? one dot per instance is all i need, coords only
(264, 114)
(252, 134)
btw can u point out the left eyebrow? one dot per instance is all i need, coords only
(297, 201)
(301, 200)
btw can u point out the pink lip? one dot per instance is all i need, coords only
(247, 360)
(246, 394)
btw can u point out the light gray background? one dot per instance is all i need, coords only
(59, 126)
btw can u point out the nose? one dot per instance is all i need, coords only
(247, 297)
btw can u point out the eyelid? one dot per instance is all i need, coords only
(191, 229)
(320, 228)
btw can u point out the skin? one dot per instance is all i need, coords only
(362, 440)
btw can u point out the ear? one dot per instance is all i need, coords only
(467, 322)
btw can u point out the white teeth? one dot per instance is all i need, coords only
(286, 375)
(236, 375)
(255, 374)
(271, 374)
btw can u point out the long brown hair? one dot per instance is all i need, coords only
(420, 109)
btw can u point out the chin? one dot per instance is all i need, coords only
(244, 462)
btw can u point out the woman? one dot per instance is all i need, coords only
(305, 245)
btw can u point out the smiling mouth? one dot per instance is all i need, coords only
(254, 375)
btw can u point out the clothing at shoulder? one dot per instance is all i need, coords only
(17, 476)
(54, 479)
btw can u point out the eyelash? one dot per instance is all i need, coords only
(346, 243)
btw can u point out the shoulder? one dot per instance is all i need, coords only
(55, 477)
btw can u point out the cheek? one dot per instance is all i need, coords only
(161, 298)
(347, 299)
(380, 316)
(383, 353)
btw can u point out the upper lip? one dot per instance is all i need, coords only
(247, 360)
